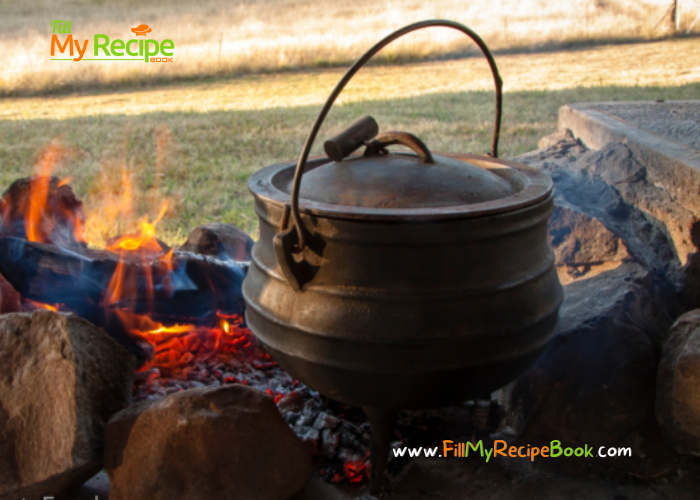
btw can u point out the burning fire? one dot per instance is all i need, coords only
(38, 198)
(37, 212)
(117, 200)
(144, 247)
(184, 355)
(36, 209)
(145, 240)
(177, 346)
(41, 305)
(42, 206)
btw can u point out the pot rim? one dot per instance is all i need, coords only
(538, 186)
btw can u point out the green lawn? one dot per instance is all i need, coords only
(197, 144)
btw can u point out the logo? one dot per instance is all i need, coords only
(147, 50)
(554, 450)
(142, 30)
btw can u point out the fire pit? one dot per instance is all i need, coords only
(397, 280)
(178, 311)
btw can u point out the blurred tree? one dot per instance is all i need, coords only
(676, 14)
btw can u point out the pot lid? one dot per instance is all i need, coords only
(402, 180)
(273, 185)
(384, 185)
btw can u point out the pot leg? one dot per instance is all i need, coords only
(381, 423)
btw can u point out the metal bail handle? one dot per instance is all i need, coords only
(296, 242)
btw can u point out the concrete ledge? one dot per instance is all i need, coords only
(670, 164)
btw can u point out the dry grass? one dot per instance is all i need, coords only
(668, 63)
(196, 144)
(215, 37)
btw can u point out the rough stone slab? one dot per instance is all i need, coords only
(601, 367)
(661, 135)
(677, 121)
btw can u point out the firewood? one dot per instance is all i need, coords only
(180, 287)
(223, 241)
(10, 298)
(60, 220)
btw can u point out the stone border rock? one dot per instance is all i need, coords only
(669, 164)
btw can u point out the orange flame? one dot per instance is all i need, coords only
(145, 239)
(171, 329)
(39, 195)
(154, 331)
(118, 201)
(142, 246)
(43, 206)
(78, 228)
(115, 209)
(131, 242)
(176, 346)
(65, 181)
(41, 305)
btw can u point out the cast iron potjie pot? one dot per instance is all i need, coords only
(397, 280)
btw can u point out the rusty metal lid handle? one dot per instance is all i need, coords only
(378, 145)
(293, 238)
(363, 132)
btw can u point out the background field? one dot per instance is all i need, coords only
(222, 37)
(196, 143)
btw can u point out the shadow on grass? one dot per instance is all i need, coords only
(209, 155)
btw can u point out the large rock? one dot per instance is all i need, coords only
(678, 385)
(223, 241)
(562, 137)
(595, 382)
(226, 442)
(616, 164)
(583, 246)
(605, 214)
(61, 379)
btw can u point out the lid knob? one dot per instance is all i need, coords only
(355, 135)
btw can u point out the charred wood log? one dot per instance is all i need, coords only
(57, 218)
(10, 298)
(171, 288)
(195, 290)
(220, 240)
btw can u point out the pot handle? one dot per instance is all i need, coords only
(293, 241)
